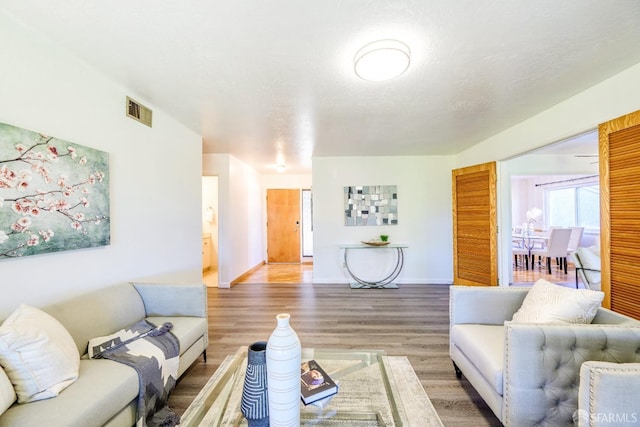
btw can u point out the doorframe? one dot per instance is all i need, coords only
(266, 217)
(504, 173)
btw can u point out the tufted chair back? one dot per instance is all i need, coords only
(542, 367)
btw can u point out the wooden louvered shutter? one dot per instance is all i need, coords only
(475, 225)
(620, 213)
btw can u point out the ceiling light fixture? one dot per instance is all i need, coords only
(281, 168)
(382, 60)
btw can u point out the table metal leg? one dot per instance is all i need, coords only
(386, 282)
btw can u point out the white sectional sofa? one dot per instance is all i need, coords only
(105, 392)
(529, 373)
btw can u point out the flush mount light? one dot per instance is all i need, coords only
(382, 60)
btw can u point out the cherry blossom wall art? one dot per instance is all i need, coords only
(54, 194)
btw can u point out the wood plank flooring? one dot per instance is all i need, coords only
(523, 276)
(412, 321)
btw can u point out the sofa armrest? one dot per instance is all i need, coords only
(609, 393)
(189, 300)
(484, 305)
(542, 367)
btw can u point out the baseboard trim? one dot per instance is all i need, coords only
(246, 274)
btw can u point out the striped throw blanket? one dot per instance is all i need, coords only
(153, 352)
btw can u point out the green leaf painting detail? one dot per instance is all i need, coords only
(54, 194)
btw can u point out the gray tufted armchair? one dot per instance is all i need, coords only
(529, 373)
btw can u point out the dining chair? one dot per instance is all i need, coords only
(523, 254)
(556, 248)
(574, 240)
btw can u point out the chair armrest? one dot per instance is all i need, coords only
(542, 366)
(484, 305)
(609, 390)
(189, 300)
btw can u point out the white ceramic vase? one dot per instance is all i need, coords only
(283, 374)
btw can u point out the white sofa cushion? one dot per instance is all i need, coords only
(103, 389)
(547, 302)
(38, 354)
(7, 393)
(483, 345)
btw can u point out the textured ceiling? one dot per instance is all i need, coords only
(259, 77)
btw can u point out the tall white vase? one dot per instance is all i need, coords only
(283, 374)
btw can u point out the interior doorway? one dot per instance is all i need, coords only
(524, 181)
(283, 226)
(210, 231)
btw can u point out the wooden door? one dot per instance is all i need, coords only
(475, 242)
(619, 213)
(283, 226)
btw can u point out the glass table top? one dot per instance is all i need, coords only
(367, 396)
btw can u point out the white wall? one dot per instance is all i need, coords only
(583, 112)
(155, 188)
(271, 181)
(240, 219)
(424, 214)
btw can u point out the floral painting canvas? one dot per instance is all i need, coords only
(54, 194)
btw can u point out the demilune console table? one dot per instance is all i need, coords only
(383, 282)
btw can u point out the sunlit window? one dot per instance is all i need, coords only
(574, 207)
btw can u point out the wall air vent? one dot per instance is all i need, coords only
(139, 112)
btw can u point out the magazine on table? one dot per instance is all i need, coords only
(315, 383)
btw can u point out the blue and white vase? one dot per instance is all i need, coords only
(255, 402)
(283, 372)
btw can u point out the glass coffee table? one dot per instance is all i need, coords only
(374, 390)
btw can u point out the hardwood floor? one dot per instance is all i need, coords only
(521, 275)
(412, 321)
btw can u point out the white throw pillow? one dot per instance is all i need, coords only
(7, 393)
(547, 302)
(38, 354)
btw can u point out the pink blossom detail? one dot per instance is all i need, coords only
(34, 240)
(59, 205)
(82, 161)
(21, 148)
(22, 185)
(76, 225)
(23, 206)
(46, 234)
(24, 222)
(21, 225)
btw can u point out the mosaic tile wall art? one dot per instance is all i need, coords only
(54, 194)
(370, 205)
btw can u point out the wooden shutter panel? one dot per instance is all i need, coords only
(474, 225)
(620, 205)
